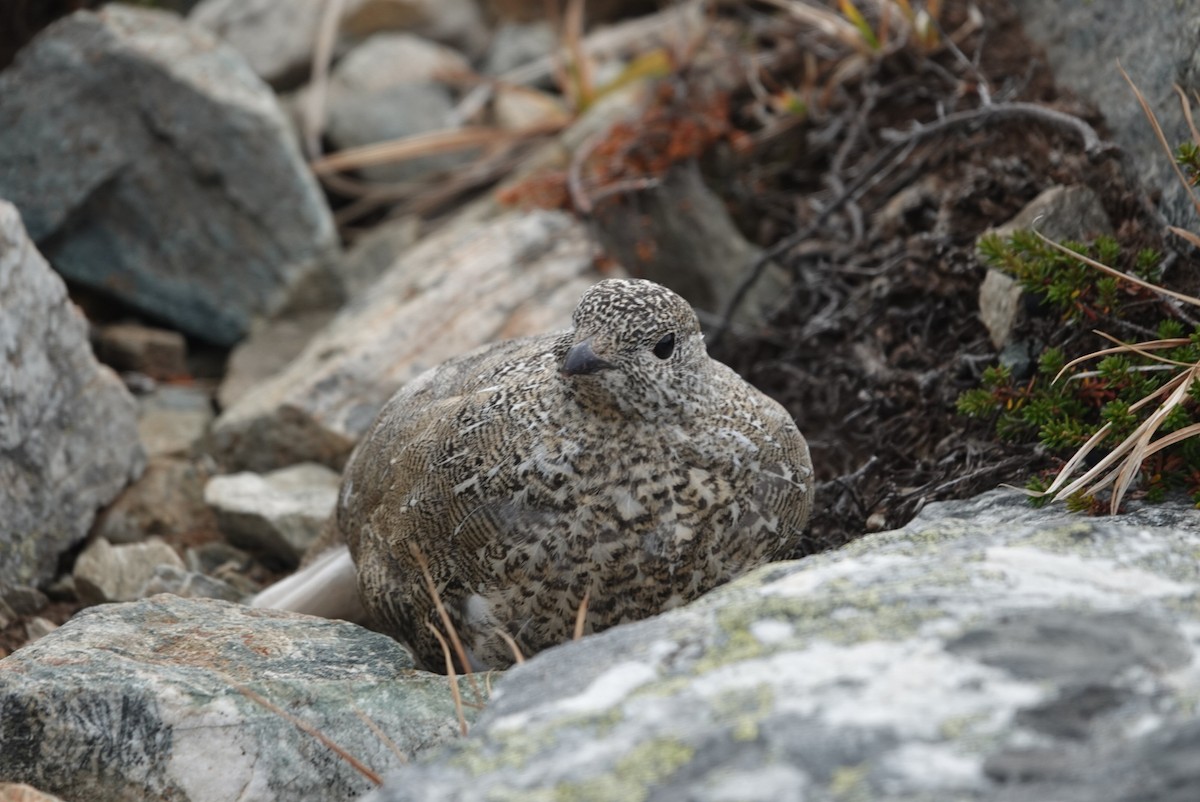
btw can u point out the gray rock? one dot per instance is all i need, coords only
(37, 628)
(108, 573)
(458, 23)
(280, 513)
(469, 284)
(166, 190)
(172, 419)
(1059, 213)
(387, 59)
(366, 118)
(187, 584)
(695, 248)
(168, 499)
(277, 39)
(987, 651)
(1156, 44)
(391, 86)
(517, 43)
(68, 436)
(157, 353)
(374, 253)
(269, 348)
(215, 556)
(24, 600)
(195, 700)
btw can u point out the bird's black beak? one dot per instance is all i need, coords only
(581, 359)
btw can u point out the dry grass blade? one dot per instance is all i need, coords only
(1146, 349)
(444, 616)
(452, 676)
(309, 729)
(581, 614)
(1129, 453)
(512, 644)
(429, 144)
(1186, 105)
(581, 91)
(1120, 349)
(823, 20)
(313, 110)
(1158, 132)
(1094, 440)
(380, 734)
(1187, 235)
(1140, 448)
(1117, 273)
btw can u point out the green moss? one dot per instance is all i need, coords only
(1064, 414)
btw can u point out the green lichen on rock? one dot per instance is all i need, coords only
(632, 777)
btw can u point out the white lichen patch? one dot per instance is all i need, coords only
(771, 631)
(605, 692)
(816, 575)
(1041, 575)
(912, 687)
(925, 767)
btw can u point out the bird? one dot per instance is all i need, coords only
(581, 478)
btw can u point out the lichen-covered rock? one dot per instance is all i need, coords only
(985, 651)
(68, 431)
(150, 163)
(194, 701)
(469, 284)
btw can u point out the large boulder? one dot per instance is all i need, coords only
(200, 700)
(987, 651)
(1156, 44)
(150, 163)
(470, 284)
(68, 426)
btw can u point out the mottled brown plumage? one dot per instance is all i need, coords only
(615, 460)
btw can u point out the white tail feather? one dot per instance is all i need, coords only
(326, 588)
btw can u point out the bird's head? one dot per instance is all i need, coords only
(635, 345)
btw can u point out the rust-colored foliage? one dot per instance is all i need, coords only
(677, 125)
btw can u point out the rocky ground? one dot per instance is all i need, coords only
(817, 197)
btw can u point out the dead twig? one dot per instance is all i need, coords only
(379, 733)
(309, 729)
(427, 575)
(455, 691)
(314, 106)
(429, 144)
(581, 615)
(512, 644)
(900, 144)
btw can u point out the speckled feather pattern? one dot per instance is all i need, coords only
(642, 482)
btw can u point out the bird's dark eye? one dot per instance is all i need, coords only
(665, 347)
